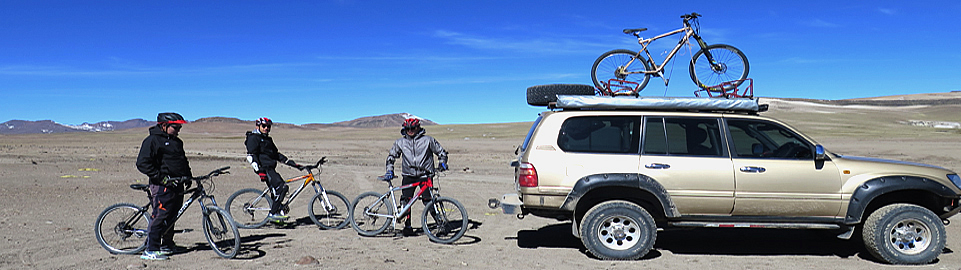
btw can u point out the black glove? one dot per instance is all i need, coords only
(291, 163)
(174, 181)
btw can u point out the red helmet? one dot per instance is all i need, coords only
(264, 121)
(411, 123)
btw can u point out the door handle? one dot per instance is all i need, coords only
(752, 169)
(657, 166)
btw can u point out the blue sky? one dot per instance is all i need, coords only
(448, 61)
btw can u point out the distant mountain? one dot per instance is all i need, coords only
(48, 126)
(387, 120)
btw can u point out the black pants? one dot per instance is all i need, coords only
(166, 202)
(278, 188)
(406, 195)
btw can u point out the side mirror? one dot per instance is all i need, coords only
(819, 153)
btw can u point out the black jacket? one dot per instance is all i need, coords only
(162, 155)
(263, 150)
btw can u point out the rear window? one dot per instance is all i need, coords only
(600, 134)
(527, 140)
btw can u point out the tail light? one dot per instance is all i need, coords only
(527, 175)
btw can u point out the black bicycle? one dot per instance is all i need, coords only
(122, 227)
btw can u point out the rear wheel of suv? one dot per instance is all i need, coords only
(541, 95)
(618, 230)
(904, 234)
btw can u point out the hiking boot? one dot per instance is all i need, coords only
(172, 249)
(154, 256)
(408, 231)
(277, 217)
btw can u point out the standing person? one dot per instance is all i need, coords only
(263, 157)
(163, 160)
(418, 151)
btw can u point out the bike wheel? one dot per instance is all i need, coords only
(249, 207)
(444, 220)
(122, 228)
(613, 65)
(221, 232)
(370, 214)
(730, 65)
(332, 214)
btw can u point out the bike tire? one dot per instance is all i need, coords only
(249, 207)
(447, 223)
(541, 95)
(606, 66)
(221, 232)
(366, 204)
(122, 228)
(732, 67)
(329, 219)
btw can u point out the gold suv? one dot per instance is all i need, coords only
(620, 171)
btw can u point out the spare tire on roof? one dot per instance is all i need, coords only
(541, 95)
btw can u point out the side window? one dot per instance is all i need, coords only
(761, 139)
(683, 136)
(600, 134)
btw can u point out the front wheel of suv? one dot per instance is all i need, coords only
(904, 234)
(618, 230)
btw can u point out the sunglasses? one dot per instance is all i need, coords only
(265, 126)
(176, 126)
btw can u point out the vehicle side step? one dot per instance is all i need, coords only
(701, 224)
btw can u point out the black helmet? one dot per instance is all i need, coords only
(264, 121)
(170, 118)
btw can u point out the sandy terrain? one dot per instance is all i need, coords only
(54, 186)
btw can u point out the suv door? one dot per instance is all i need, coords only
(776, 172)
(688, 156)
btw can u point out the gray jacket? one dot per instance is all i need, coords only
(418, 152)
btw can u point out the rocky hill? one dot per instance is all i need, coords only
(49, 126)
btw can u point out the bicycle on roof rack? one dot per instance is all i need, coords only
(626, 72)
(122, 227)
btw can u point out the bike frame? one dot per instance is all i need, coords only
(429, 183)
(309, 180)
(659, 69)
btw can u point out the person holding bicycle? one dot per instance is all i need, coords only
(418, 152)
(163, 159)
(263, 156)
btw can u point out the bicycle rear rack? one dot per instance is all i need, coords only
(729, 89)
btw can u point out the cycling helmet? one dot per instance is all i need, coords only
(264, 121)
(170, 118)
(410, 123)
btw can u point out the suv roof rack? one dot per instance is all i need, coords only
(705, 104)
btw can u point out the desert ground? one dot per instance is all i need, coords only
(53, 186)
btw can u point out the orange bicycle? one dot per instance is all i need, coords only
(328, 209)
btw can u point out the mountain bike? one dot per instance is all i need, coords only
(626, 72)
(328, 209)
(444, 219)
(122, 228)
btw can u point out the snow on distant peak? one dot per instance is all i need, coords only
(408, 116)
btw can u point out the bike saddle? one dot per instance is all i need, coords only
(629, 31)
(139, 187)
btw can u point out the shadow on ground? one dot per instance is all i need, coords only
(716, 241)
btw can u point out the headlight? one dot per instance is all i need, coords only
(955, 179)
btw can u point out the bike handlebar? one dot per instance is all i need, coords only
(213, 173)
(690, 16)
(316, 165)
